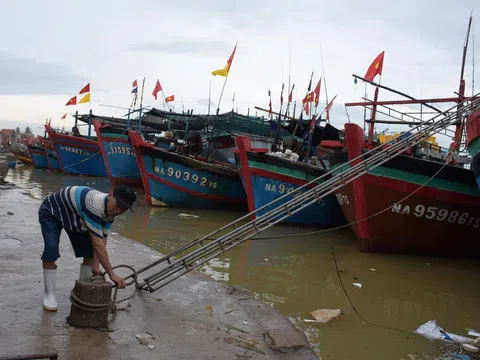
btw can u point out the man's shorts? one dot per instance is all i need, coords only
(51, 229)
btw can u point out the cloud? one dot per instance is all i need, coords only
(22, 76)
(204, 102)
(202, 47)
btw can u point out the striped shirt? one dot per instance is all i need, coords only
(80, 209)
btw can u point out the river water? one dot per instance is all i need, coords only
(298, 274)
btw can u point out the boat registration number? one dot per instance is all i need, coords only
(120, 150)
(185, 176)
(282, 189)
(437, 214)
(74, 150)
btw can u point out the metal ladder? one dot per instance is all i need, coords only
(238, 231)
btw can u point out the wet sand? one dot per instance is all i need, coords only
(193, 318)
(298, 274)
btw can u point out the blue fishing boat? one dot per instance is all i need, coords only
(267, 177)
(77, 155)
(38, 154)
(118, 155)
(183, 181)
(52, 158)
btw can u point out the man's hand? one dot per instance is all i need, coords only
(96, 271)
(118, 280)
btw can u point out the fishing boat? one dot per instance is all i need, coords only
(411, 205)
(23, 156)
(472, 131)
(38, 153)
(118, 155)
(267, 176)
(77, 155)
(52, 159)
(414, 203)
(180, 180)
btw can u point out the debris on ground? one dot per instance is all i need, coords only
(373, 270)
(433, 331)
(325, 315)
(10, 213)
(358, 285)
(188, 216)
(144, 338)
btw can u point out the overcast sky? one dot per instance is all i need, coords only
(50, 49)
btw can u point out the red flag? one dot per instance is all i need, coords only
(308, 98)
(375, 67)
(305, 107)
(64, 116)
(72, 101)
(317, 92)
(170, 98)
(134, 84)
(157, 89)
(85, 89)
(329, 106)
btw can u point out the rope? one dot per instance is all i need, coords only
(112, 305)
(355, 222)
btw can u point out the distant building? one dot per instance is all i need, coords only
(7, 137)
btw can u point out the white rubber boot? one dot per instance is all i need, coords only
(49, 278)
(85, 271)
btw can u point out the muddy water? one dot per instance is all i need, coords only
(298, 274)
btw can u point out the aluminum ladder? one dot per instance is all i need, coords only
(204, 249)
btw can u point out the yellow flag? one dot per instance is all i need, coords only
(226, 69)
(221, 72)
(85, 99)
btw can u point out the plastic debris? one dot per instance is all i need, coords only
(358, 285)
(325, 315)
(245, 322)
(373, 270)
(472, 332)
(188, 216)
(433, 331)
(151, 347)
(470, 348)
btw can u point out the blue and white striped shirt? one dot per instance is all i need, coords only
(80, 209)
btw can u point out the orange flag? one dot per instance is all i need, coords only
(375, 67)
(85, 89)
(170, 98)
(64, 117)
(72, 101)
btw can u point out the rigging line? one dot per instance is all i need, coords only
(355, 222)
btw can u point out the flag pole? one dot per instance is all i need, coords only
(324, 78)
(221, 94)
(209, 96)
(139, 130)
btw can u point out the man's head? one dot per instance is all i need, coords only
(119, 200)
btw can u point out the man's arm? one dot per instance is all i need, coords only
(100, 253)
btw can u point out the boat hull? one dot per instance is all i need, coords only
(267, 178)
(78, 155)
(118, 155)
(39, 157)
(23, 157)
(180, 181)
(413, 206)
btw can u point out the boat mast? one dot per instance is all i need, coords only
(461, 93)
